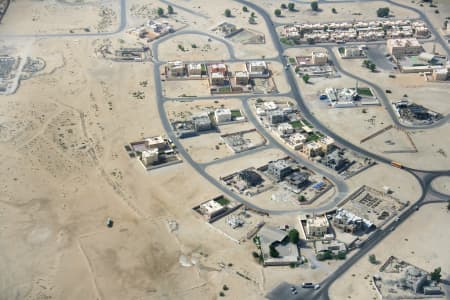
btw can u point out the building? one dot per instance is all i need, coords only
(211, 209)
(317, 226)
(176, 68)
(242, 77)
(275, 117)
(202, 122)
(279, 169)
(156, 142)
(150, 156)
(270, 105)
(250, 177)
(404, 47)
(222, 115)
(319, 58)
(297, 140)
(194, 69)
(297, 180)
(217, 78)
(440, 74)
(285, 129)
(350, 222)
(326, 143)
(258, 69)
(312, 149)
(218, 68)
(350, 52)
(333, 246)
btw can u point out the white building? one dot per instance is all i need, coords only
(270, 105)
(194, 69)
(257, 69)
(176, 68)
(211, 209)
(319, 58)
(222, 115)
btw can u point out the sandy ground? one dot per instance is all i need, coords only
(195, 48)
(60, 17)
(345, 12)
(442, 184)
(411, 242)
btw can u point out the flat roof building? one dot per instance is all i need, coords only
(211, 208)
(279, 169)
(222, 115)
(319, 58)
(317, 226)
(404, 47)
(155, 142)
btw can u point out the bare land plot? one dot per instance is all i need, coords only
(442, 184)
(59, 17)
(186, 88)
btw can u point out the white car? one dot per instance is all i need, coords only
(317, 286)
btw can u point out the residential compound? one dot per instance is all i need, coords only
(220, 76)
(354, 31)
(152, 30)
(411, 57)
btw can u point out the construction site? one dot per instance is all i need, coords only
(15, 69)
(244, 140)
(414, 114)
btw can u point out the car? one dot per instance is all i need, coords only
(307, 285)
(416, 207)
(397, 219)
(388, 91)
(294, 292)
(293, 288)
(317, 286)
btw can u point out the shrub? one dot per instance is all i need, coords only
(277, 12)
(245, 9)
(315, 6)
(227, 13)
(383, 12)
(291, 6)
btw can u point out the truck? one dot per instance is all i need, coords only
(396, 164)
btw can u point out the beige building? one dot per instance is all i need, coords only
(222, 115)
(326, 143)
(316, 226)
(404, 47)
(242, 77)
(150, 156)
(217, 79)
(312, 149)
(319, 58)
(297, 140)
(211, 208)
(156, 142)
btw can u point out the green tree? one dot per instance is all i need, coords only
(222, 294)
(291, 6)
(302, 198)
(341, 255)
(170, 9)
(225, 287)
(273, 252)
(334, 11)
(283, 6)
(255, 254)
(253, 15)
(448, 205)
(277, 12)
(436, 275)
(373, 259)
(244, 9)
(227, 13)
(293, 236)
(383, 12)
(305, 78)
(160, 11)
(315, 6)
(372, 67)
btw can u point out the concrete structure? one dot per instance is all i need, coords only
(217, 78)
(258, 69)
(312, 149)
(297, 140)
(211, 209)
(285, 129)
(275, 117)
(350, 52)
(202, 122)
(176, 68)
(341, 97)
(150, 156)
(440, 74)
(297, 180)
(270, 105)
(279, 169)
(222, 115)
(319, 58)
(317, 226)
(156, 142)
(333, 246)
(194, 69)
(250, 177)
(349, 222)
(404, 47)
(326, 143)
(242, 77)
